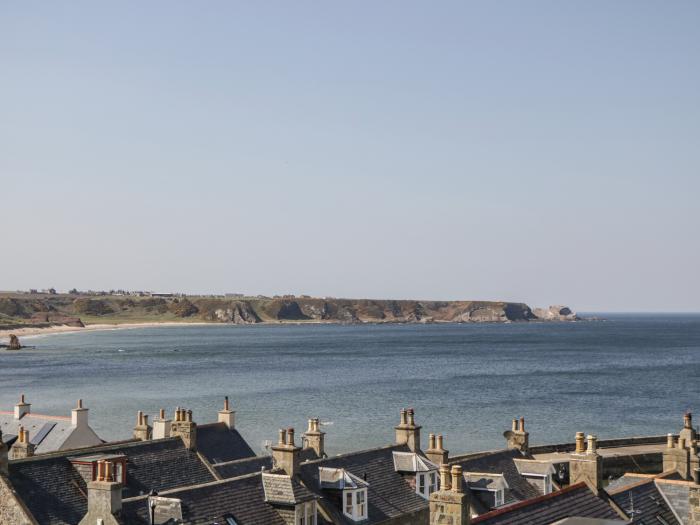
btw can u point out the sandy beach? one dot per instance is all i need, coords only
(31, 332)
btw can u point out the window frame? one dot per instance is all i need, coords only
(354, 495)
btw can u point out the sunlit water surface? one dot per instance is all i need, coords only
(631, 374)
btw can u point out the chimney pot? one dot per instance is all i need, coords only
(579, 443)
(431, 441)
(283, 437)
(456, 478)
(80, 403)
(411, 419)
(688, 420)
(439, 442)
(445, 477)
(226, 403)
(403, 417)
(290, 437)
(696, 476)
(522, 424)
(670, 442)
(161, 414)
(592, 444)
(515, 425)
(21, 398)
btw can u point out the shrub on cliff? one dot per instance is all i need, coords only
(87, 306)
(183, 308)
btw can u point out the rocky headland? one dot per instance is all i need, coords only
(42, 310)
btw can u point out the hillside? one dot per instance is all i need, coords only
(22, 309)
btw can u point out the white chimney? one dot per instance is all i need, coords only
(79, 415)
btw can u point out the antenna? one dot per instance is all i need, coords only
(631, 512)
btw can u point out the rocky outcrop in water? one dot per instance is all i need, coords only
(556, 313)
(14, 343)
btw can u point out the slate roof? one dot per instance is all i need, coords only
(676, 497)
(219, 444)
(53, 431)
(242, 498)
(241, 467)
(56, 494)
(389, 495)
(501, 462)
(573, 501)
(646, 500)
(280, 488)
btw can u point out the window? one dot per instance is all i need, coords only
(548, 484)
(360, 500)
(498, 498)
(306, 513)
(356, 504)
(426, 483)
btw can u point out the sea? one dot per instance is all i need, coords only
(623, 375)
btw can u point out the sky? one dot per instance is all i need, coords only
(545, 152)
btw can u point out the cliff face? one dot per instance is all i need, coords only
(60, 309)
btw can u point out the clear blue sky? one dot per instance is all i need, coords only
(546, 152)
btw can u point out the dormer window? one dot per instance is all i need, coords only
(426, 483)
(425, 471)
(537, 473)
(353, 491)
(305, 513)
(489, 488)
(355, 504)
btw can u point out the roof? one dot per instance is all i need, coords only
(574, 501)
(47, 433)
(643, 502)
(241, 498)
(55, 493)
(412, 462)
(675, 495)
(241, 467)
(501, 462)
(476, 480)
(219, 444)
(587, 521)
(533, 467)
(280, 488)
(389, 494)
(339, 479)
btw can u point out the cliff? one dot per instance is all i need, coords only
(30, 309)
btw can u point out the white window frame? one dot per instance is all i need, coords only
(355, 496)
(429, 480)
(499, 498)
(305, 513)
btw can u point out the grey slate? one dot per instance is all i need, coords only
(574, 501)
(219, 444)
(648, 503)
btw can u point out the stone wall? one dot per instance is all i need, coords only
(12, 512)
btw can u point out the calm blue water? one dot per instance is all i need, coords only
(631, 374)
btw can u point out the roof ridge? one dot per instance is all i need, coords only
(239, 460)
(195, 486)
(347, 454)
(625, 488)
(128, 443)
(528, 502)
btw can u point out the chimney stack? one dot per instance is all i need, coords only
(227, 416)
(22, 407)
(22, 448)
(161, 426)
(407, 432)
(586, 465)
(79, 415)
(688, 432)
(314, 438)
(285, 454)
(142, 430)
(450, 504)
(104, 497)
(517, 438)
(436, 453)
(184, 427)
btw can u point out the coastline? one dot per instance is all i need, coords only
(31, 332)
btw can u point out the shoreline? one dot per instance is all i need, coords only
(30, 332)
